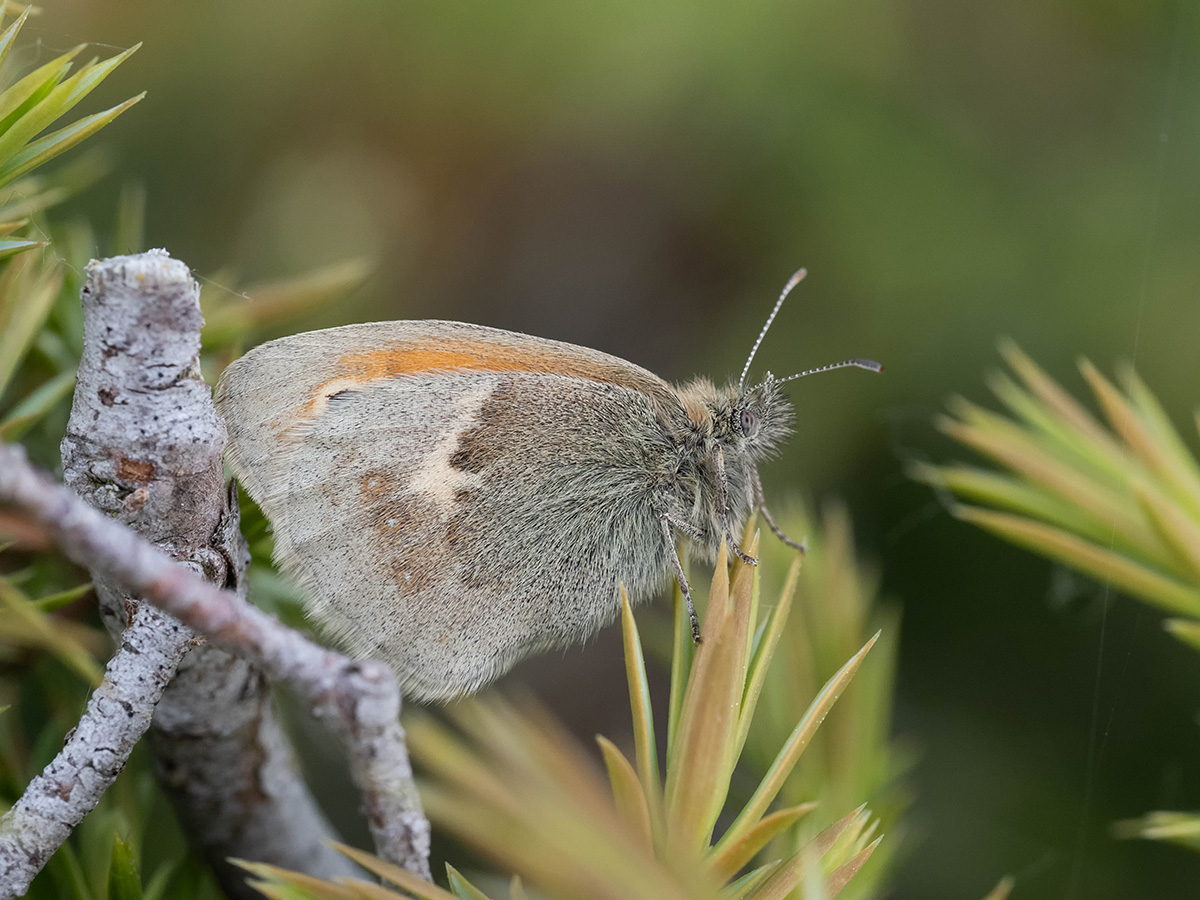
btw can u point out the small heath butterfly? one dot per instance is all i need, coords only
(451, 498)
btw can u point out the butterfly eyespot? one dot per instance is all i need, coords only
(748, 422)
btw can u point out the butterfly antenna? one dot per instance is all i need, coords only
(787, 289)
(856, 363)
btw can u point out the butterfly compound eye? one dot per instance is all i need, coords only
(748, 422)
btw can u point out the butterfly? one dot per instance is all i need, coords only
(451, 498)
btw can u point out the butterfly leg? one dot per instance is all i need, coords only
(685, 589)
(723, 499)
(686, 527)
(761, 502)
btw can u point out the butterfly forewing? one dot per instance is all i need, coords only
(441, 503)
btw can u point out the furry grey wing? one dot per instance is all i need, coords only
(283, 385)
(453, 523)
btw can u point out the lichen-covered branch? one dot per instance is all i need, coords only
(359, 700)
(144, 447)
(116, 717)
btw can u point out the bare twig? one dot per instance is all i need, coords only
(95, 752)
(144, 446)
(358, 699)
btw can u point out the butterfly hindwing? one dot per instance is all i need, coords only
(450, 520)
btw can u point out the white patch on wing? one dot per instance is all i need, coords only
(435, 477)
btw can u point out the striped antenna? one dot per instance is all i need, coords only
(856, 363)
(787, 289)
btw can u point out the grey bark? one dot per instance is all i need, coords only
(358, 700)
(94, 753)
(144, 447)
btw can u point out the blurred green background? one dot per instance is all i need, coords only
(643, 177)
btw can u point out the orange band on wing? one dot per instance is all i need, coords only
(450, 356)
(399, 360)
